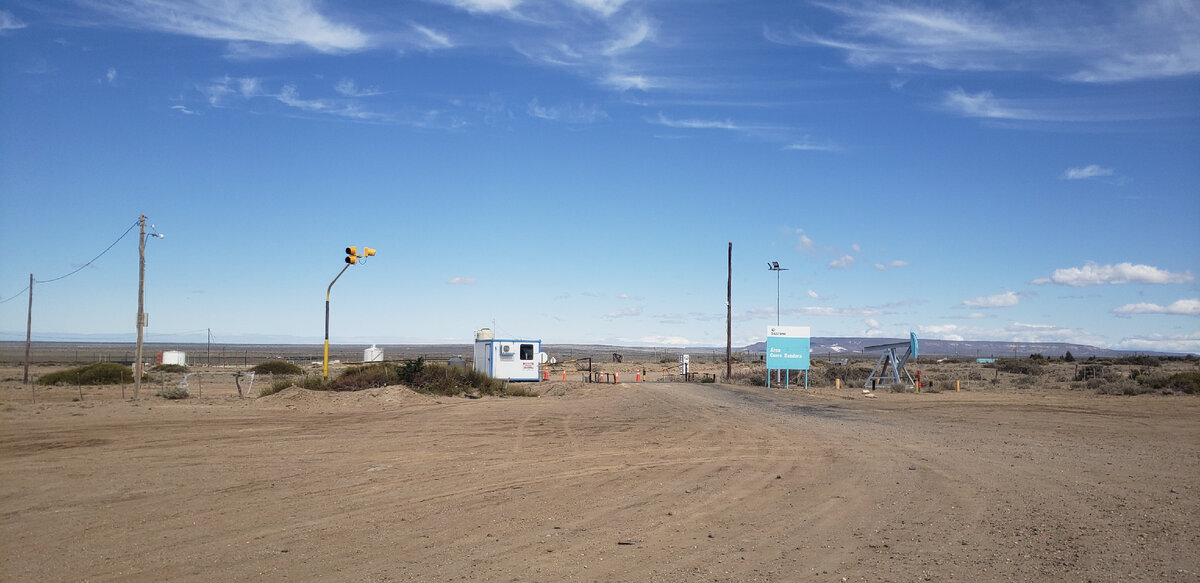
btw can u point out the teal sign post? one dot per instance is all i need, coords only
(788, 349)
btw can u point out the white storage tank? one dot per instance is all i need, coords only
(485, 334)
(373, 354)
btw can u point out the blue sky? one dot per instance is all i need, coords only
(573, 170)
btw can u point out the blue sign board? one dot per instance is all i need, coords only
(787, 347)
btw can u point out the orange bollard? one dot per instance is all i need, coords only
(564, 375)
(616, 377)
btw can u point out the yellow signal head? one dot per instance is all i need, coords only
(351, 251)
(368, 252)
(351, 259)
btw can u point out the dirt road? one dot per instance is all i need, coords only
(649, 482)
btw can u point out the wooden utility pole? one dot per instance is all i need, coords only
(141, 315)
(729, 317)
(28, 329)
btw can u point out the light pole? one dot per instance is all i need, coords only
(141, 313)
(774, 266)
(352, 257)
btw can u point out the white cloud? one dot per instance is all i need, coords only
(1136, 40)
(183, 109)
(485, 6)
(834, 312)
(843, 262)
(431, 39)
(9, 22)
(1094, 274)
(698, 124)
(806, 145)
(604, 8)
(626, 313)
(1004, 300)
(1186, 307)
(625, 82)
(986, 105)
(872, 323)
(1163, 343)
(272, 22)
(461, 281)
(348, 88)
(803, 242)
(941, 331)
(814, 295)
(634, 32)
(891, 265)
(111, 75)
(1089, 171)
(664, 340)
(572, 113)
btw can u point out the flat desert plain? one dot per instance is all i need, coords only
(623, 482)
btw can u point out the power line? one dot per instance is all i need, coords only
(77, 270)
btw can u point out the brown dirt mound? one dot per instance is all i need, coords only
(385, 397)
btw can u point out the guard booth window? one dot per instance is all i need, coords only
(526, 352)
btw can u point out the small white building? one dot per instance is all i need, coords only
(515, 360)
(172, 357)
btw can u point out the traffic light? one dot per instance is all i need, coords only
(351, 255)
(368, 252)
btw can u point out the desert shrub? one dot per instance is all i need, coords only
(169, 368)
(668, 358)
(310, 382)
(439, 379)
(1138, 360)
(1068, 357)
(369, 376)
(97, 373)
(518, 391)
(1123, 387)
(1184, 382)
(974, 376)
(1018, 366)
(173, 393)
(1095, 383)
(1025, 381)
(899, 388)
(933, 387)
(276, 367)
(408, 372)
(753, 377)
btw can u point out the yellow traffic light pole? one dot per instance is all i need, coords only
(352, 258)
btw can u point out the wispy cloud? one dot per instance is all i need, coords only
(807, 145)
(1189, 342)
(843, 262)
(891, 265)
(804, 242)
(699, 124)
(633, 32)
(183, 109)
(1186, 307)
(1143, 40)
(111, 75)
(348, 88)
(578, 113)
(9, 22)
(429, 39)
(1085, 172)
(461, 281)
(484, 6)
(272, 22)
(941, 331)
(629, 312)
(986, 105)
(1004, 300)
(664, 341)
(1094, 274)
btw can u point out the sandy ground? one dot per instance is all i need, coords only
(626, 482)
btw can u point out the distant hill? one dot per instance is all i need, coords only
(827, 347)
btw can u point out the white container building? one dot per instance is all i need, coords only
(512, 359)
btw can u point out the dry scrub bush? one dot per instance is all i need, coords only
(97, 373)
(276, 367)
